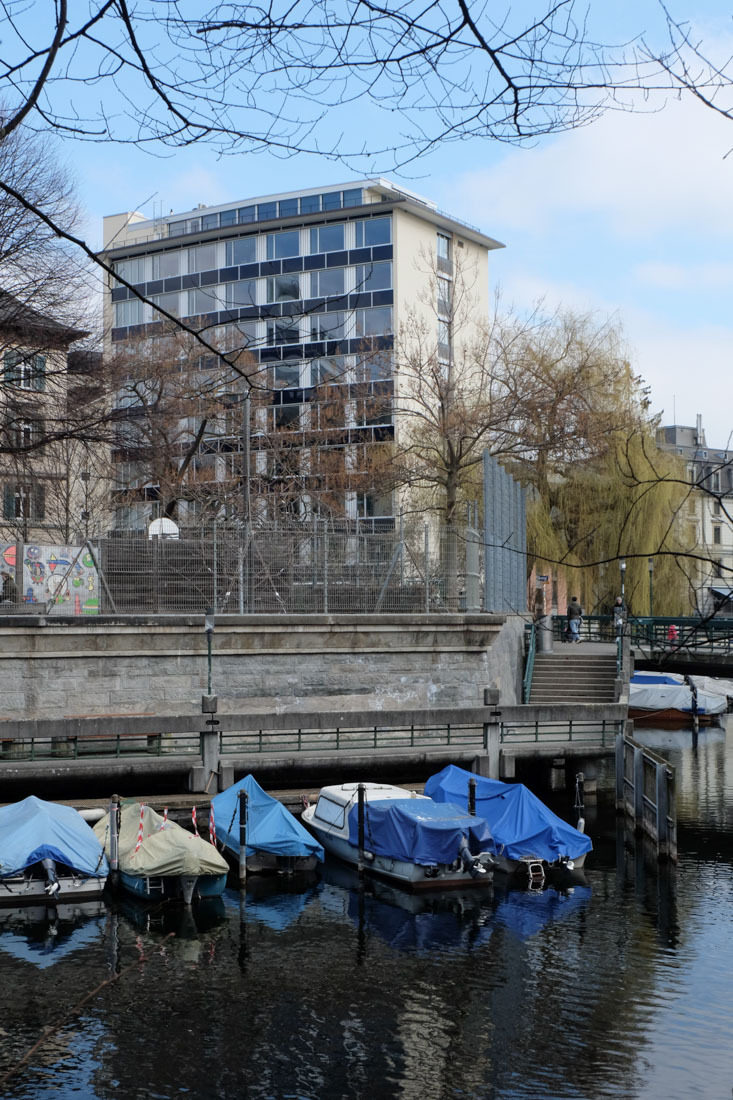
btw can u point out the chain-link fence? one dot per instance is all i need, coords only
(276, 569)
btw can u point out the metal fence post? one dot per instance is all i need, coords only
(325, 568)
(427, 570)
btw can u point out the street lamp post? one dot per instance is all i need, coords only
(651, 588)
(209, 628)
(622, 567)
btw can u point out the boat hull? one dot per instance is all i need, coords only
(168, 887)
(269, 863)
(409, 876)
(32, 889)
(670, 718)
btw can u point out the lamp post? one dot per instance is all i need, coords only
(622, 567)
(651, 588)
(209, 628)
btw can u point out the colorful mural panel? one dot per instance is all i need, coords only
(64, 578)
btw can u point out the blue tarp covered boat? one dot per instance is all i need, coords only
(48, 852)
(275, 839)
(523, 829)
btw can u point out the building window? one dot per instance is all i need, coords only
(717, 534)
(310, 204)
(202, 258)
(283, 288)
(716, 507)
(287, 417)
(373, 277)
(373, 322)
(25, 369)
(374, 367)
(243, 251)
(282, 245)
(445, 297)
(169, 302)
(327, 282)
(132, 271)
(444, 253)
(283, 332)
(327, 238)
(128, 313)
(28, 433)
(327, 326)
(327, 370)
(166, 265)
(203, 301)
(373, 231)
(443, 339)
(242, 293)
(24, 502)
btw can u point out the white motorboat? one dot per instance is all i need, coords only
(406, 838)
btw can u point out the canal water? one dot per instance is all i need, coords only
(617, 986)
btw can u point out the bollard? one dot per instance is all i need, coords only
(472, 797)
(242, 839)
(361, 829)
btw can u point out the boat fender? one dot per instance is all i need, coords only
(581, 825)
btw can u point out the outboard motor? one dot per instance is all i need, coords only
(470, 863)
(52, 883)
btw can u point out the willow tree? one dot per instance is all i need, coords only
(602, 513)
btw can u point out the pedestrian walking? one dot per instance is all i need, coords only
(619, 616)
(575, 618)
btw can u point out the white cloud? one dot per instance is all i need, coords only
(693, 276)
(639, 172)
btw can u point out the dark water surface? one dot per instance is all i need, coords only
(621, 986)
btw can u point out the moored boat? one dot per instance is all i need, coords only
(157, 859)
(527, 837)
(48, 854)
(406, 838)
(668, 699)
(275, 840)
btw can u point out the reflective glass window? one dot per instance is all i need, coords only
(242, 251)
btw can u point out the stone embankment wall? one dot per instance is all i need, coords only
(56, 667)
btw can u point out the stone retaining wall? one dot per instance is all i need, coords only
(58, 667)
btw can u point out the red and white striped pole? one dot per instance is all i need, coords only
(212, 826)
(193, 820)
(140, 828)
(164, 822)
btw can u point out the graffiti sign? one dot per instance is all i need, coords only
(64, 578)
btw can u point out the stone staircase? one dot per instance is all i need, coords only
(573, 676)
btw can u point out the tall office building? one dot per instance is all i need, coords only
(310, 292)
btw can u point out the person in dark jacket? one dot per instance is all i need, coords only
(575, 617)
(619, 616)
(10, 588)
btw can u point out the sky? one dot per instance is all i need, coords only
(629, 218)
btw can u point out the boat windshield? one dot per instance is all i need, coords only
(333, 813)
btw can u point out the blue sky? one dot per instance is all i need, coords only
(630, 217)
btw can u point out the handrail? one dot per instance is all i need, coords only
(619, 657)
(530, 630)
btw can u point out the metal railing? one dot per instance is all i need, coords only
(90, 746)
(531, 648)
(601, 733)
(409, 736)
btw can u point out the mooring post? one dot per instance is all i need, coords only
(114, 837)
(361, 828)
(472, 797)
(242, 839)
